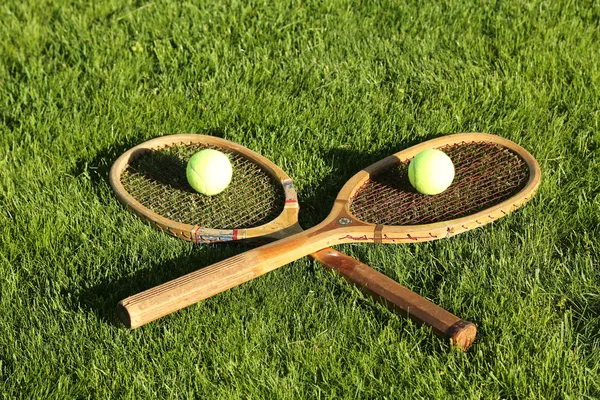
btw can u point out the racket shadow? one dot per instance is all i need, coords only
(98, 167)
(165, 169)
(101, 299)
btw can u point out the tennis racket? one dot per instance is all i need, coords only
(260, 204)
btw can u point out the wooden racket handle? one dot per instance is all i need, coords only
(179, 293)
(186, 290)
(399, 298)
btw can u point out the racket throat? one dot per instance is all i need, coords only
(294, 247)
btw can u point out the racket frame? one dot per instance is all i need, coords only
(278, 228)
(352, 229)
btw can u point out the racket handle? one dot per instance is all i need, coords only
(184, 291)
(399, 298)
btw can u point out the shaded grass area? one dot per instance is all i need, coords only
(322, 89)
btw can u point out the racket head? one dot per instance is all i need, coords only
(260, 202)
(494, 176)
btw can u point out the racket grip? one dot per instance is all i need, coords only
(184, 291)
(399, 298)
(164, 299)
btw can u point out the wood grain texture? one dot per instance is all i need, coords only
(399, 298)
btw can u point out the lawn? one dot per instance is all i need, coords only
(322, 88)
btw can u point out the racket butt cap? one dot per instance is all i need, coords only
(463, 334)
(123, 314)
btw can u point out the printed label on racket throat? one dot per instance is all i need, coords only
(291, 196)
(204, 235)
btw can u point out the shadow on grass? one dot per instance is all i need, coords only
(586, 317)
(98, 168)
(7, 368)
(102, 299)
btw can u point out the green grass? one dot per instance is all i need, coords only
(322, 88)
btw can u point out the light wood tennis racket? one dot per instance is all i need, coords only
(494, 176)
(260, 203)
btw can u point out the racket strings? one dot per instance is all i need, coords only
(485, 174)
(157, 179)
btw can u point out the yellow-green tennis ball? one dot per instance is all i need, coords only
(431, 171)
(209, 172)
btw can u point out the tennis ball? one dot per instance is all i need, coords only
(431, 171)
(209, 172)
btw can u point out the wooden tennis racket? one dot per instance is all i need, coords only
(260, 203)
(494, 176)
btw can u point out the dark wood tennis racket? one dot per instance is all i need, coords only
(260, 203)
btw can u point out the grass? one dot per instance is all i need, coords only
(322, 88)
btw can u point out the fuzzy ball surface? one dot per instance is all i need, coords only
(209, 172)
(431, 172)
